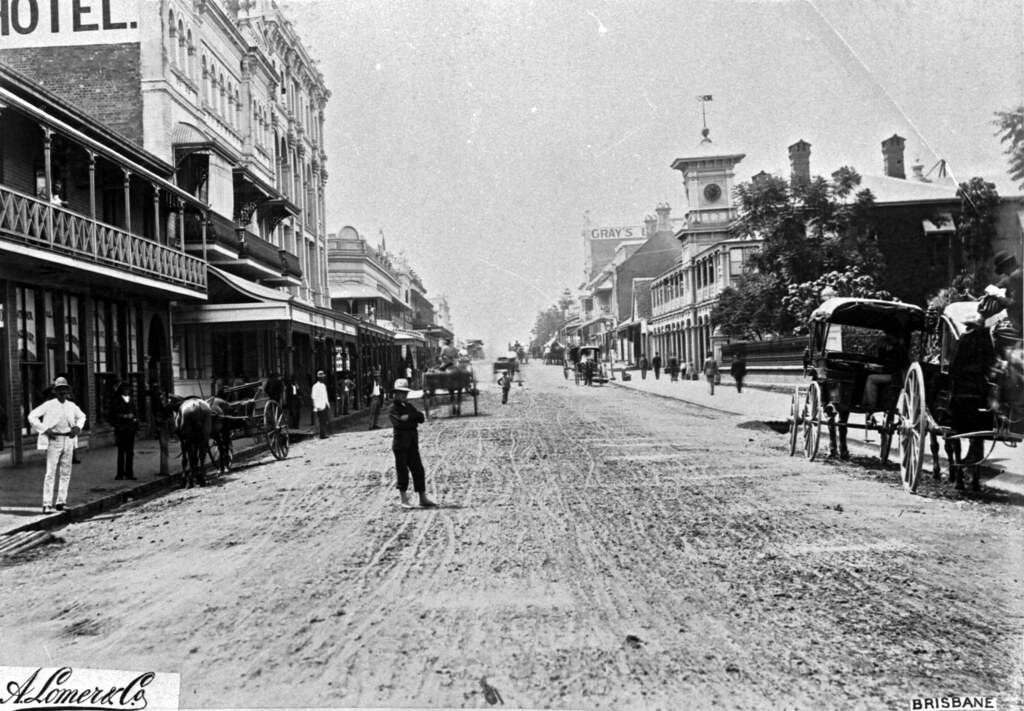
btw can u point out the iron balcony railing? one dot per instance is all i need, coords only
(37, 223)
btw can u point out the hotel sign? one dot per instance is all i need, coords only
(609, 232)
(61, 23)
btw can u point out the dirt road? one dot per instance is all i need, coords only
(596, 548)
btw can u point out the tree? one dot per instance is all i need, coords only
(748, 311)
(808, 230)
(976, 228)
(803, 299)
(546, 326)
(1011, 130)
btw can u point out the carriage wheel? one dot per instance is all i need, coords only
(886, 435)
(276, 430)
(794, 421)
(811, 420)
(913, 427)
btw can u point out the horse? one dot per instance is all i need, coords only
(193, 421)
(221, 432)
(455, 379)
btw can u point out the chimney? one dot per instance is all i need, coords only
(892, 151)
(650, 224)
(663, 211)
(800, 163)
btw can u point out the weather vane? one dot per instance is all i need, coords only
(703, 99)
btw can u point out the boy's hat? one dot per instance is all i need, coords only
(61, 384)
(402, 384)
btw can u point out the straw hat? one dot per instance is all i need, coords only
(402, 384)
(61, 384)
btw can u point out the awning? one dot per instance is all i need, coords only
(356, 291)
(409, 337)
(946, 226)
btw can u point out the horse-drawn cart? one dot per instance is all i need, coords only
(456, 381)
(247, 409)
(856, 351)
(967, 389)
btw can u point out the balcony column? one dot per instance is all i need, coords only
(92, 197)
(127, 200)
(48, 178)
(181, 224)
(156, 215)
(204, 215)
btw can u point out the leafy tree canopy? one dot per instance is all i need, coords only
(1010, 129)
(976, 229)
(821, 227)
(804, 298)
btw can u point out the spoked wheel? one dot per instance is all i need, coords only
(811, 420)
(913, 427)
(794, 421)
(276, 429)
(885, 436)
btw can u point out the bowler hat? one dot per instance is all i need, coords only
(124, 385)
(402, 384)
(1004, 259)
(61, 384)
(321, 374)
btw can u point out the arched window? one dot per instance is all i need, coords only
(206, 82)
(190, 53)
(180, 48)
(238, 109)
(172, 34)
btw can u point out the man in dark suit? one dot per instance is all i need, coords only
(124, 416)
(405, 420)
(656, 366)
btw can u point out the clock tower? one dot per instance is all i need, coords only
(708, 174)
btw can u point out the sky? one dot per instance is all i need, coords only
(474, 134)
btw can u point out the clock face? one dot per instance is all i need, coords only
(712, 192)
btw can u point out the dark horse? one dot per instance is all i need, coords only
(193, 421)
(455, 380)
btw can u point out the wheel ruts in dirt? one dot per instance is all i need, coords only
(913, 427)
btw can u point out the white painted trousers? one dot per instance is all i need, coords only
(59, 452)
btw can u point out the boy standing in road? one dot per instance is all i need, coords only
(57, 422)
(405, 420)
(505, 381)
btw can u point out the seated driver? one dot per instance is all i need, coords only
(449, 355)
(894, 354)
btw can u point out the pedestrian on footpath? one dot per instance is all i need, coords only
(656, 365)
(293, 401)
(321, 405)
(376, 399)
(644, 365)
(505, 381)
(673, 368)
(710, 370)
(405, 420)
(738, 369)
(57, 422)
(124, 416)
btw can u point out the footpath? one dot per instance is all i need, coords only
(770, 404)
(93, 488)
